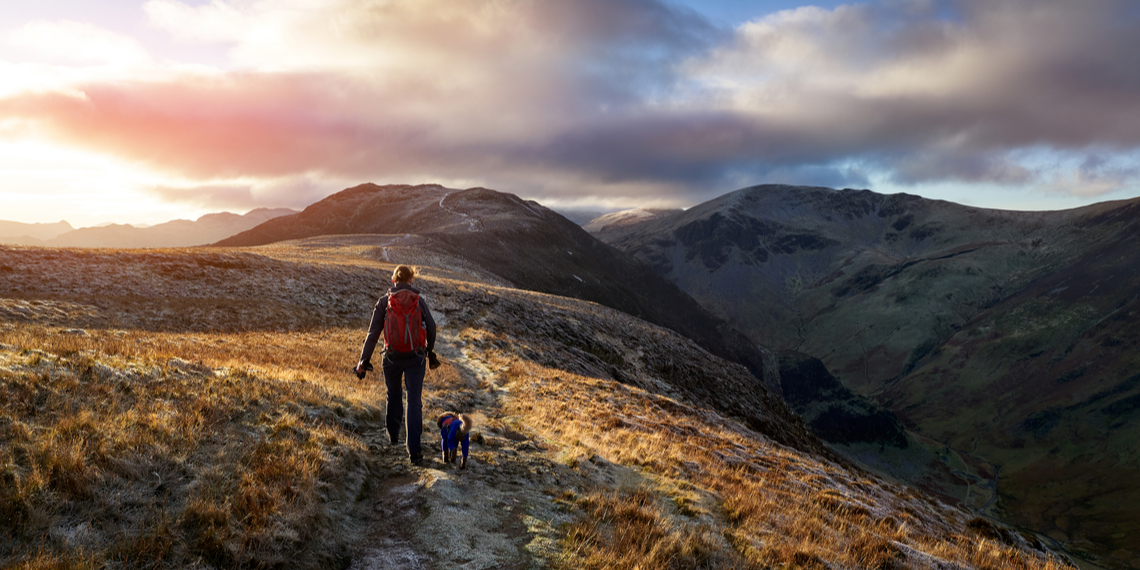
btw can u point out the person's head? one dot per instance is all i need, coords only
(403, 274)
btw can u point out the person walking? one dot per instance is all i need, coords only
(409, 344)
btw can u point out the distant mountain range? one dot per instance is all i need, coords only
(178, 233)
(1011, 338)
(18, 233)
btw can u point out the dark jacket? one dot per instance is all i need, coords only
(377, 326)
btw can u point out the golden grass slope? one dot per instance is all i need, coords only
(116, 449)
(192, 408)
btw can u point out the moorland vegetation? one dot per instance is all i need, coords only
(194, 408)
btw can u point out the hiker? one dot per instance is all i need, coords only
(409, 344)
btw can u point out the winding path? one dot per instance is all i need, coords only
(473, 223)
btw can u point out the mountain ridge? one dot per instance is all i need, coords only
(19, 233)
(522, 242)
(208, 228)
(940, 311)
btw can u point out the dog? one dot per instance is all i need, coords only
(453, 429)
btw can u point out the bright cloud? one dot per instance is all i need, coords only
(607, 100)
(213, 22)
(77, 43)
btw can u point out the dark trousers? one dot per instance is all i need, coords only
(412, 370)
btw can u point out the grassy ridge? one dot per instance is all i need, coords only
(160, 447)
(711, 494)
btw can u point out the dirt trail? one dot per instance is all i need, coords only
(473, 224)
(497, 513)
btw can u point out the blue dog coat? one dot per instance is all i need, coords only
(449, 434)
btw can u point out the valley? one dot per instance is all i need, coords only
(1001, 340)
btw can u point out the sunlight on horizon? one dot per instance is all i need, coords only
(47, 183)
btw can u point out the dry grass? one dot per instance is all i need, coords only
(771, 506)
(243, 447)
(629, 530)
(221, 425)
(159, 450)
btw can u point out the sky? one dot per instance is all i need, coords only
(143, 111)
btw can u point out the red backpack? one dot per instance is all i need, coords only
(403, 323)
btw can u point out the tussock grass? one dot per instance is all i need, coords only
(774, 507)
(627, 529)
(161, 450)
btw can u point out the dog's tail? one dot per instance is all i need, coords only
(465, 425)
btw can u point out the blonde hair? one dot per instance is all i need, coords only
(403, 274)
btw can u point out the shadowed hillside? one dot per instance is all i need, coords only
(194, 408)
(1007, 336)
(522, 242)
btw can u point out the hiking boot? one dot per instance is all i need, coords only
(417, 460)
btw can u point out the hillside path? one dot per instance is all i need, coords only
(496, 513)
(473, 223)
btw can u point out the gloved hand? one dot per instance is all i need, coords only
(433, 360)
(361, 370)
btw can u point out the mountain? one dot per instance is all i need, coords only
(1008, 337)
(523, 243)
(530, 247)
(194, 408)
(177, 233)
(19, 233)
(615, 220)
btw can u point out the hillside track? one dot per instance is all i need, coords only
(473, 224)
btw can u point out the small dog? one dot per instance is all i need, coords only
(453, 429)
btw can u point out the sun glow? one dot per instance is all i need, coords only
(261, 103)
(46, 182)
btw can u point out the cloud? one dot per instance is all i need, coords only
(377, 89)
(76, 43)
(819, 175)
(293, 192)
(261, 125)
(617, 98)
(213, 22)
(958, 165)
(1095, 175)
(225, 197)
(931, 97)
